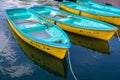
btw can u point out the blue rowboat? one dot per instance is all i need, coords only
(76, 24)
(38, 32)
(107, 13)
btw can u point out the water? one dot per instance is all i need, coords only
(91, 59)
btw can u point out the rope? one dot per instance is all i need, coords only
(71, 66)
(118, 35)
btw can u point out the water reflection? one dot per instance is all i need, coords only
(38, 2)
(91, 43)
(26, 3)
(118, 32)
(44, 60)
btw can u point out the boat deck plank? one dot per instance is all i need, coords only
(40, 34)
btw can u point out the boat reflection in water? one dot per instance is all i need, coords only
(91, 43)
(45, 61)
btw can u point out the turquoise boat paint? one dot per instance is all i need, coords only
(98, 5)
(73, 20)
(24, 30)
(76, 24)
(85, 8)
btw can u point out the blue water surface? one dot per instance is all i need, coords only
(91, 59)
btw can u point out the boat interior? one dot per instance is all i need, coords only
(101, 6)
(87, 8)
(36, 27)
(71, 20)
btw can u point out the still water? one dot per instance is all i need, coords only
(91, 59)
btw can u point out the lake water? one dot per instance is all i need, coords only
(91, 59)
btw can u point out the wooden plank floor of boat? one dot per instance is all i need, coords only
(40, 34)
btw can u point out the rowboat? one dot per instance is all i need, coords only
(104, 13)
(45, 61)
(98, 5)
(76, 24)
(38, 32)
(97, 45)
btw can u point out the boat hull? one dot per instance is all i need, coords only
(110, 19)
(99, 34)
(55, 51)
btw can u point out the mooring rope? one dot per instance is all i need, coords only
(118, 35)
(71, 66)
